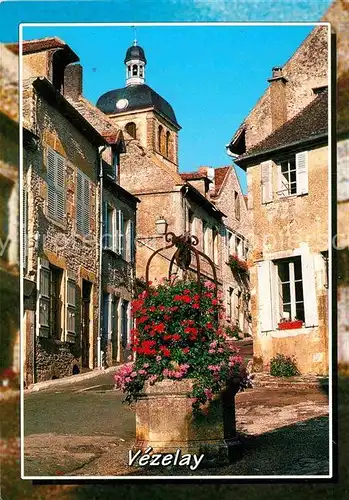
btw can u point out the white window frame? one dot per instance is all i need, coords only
(116, 241)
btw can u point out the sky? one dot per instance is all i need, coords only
(212, 76)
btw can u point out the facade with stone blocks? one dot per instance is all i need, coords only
(78, 226)
(283, 145)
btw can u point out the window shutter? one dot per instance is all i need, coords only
(70, 308)
(115, 231)
(60, 187)
(86, 206)
(309, 290)
(282, 186)
(266, 181)
(121, 232)
(51, 175)
(265, 295)
(302, 172)
(105, 235)
(132, 242)
(79, 202)
(43, 299)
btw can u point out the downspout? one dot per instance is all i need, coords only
(101, 149)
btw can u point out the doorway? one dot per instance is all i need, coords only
(85, 324)
(125, 327)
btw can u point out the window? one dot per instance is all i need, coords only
(229, 243)
(206, 238)
(141, 71)
(290, 289)
(130, 242)
(83, 204)
(168, 143)
(129, 71)
(230, 299)
(237, 205)
(50, 300)
(134, 70)
(131, 129)
(116, 164)
(287, 173)
(287, 290)
(292, 175)
(55, 185)
(160, 139)
(113, 227)
(71, 305)
(239, 247)
(215, 243)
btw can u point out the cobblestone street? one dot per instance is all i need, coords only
(85, 429)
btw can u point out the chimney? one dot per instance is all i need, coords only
(277, 93)
(73, 81)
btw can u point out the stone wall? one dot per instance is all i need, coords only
(279, 230)
(306, 69)
(59, 241)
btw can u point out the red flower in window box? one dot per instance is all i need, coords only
(290, 325)
(236, 264)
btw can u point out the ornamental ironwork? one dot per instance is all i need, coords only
(185, 246)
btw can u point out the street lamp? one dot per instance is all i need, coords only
(161, 226)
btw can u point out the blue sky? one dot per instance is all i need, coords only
(212, 76)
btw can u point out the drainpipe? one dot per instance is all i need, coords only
(99, 322)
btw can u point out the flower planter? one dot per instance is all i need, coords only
(290, 325)
(165, 421)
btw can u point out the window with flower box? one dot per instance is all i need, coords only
(287, 293)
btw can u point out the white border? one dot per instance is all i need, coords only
(164, 478)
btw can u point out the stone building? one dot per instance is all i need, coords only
(194, 202)
(77, 225)
(283, 145)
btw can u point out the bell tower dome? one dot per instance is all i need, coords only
(135, 62)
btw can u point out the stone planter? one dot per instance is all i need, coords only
(165, 421)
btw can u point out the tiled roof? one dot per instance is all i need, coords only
(310, 123)
(193, 176)
(37, 45)
(219, 176)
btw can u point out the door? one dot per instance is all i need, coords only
(85, 324)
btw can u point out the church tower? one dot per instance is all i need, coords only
(142, 112)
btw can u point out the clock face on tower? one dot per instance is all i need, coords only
(122, 104)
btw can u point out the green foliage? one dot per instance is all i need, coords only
(177, 336)
(283, 366)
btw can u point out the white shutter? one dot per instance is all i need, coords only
(60, 187)
(51, 189)
(86, 206)
(43, 299)
(132, 240)
(302, 172)
(79, 202)
(115, 231)
(121, 232)
(282, 186)
(267, 181)
(309, 290)
(265, 296)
